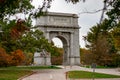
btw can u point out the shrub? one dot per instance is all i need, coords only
(17, 57)
(57, 60)
(28, 58)
(5, 59)
(116, 60)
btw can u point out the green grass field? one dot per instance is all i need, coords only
(13, 74)
(85, 74)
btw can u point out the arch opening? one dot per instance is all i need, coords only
(57, 42)
(61, 55)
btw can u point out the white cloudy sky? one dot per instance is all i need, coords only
(85, 20)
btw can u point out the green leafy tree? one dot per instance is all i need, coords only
(34, 41)
(13, 7)
(101, 44)
(104, 44)
(100, 40)
(115, 32)
(116, 37)
(114, 12)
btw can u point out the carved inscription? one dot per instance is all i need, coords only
(60, 20)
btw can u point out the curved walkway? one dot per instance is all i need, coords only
(60, 74)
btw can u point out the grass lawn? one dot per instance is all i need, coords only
(13, 73)
(85, 74)
(98, 66)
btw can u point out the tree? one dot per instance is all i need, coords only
(101, 44)
(34, 41)
(114, 12)
(13, 7)
(11, 33)
(100, 40)
(116, 37)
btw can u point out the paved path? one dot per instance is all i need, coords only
(59, 74)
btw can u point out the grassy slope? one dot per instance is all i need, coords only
(13, 74)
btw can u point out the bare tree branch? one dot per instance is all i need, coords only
(103, 11)
(88, 12)
(93, 12)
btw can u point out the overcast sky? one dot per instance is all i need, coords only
(86, 21)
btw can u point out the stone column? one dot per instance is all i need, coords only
(68, 54)
(71, 55)
(48, 58)
(77, 48)
(66, 60)
(47, 35)
(65, 56)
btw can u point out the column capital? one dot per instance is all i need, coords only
(47, 31)
(72, 32)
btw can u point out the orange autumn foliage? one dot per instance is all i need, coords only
(17, 57)
(5, 59)
(18, 29)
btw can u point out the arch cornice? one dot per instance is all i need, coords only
(54, 26)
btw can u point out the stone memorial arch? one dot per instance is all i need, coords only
(65, 27)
